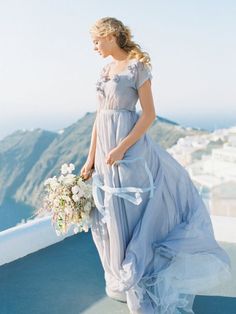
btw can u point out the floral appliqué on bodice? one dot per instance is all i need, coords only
(104, 77)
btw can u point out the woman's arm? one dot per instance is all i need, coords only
(92, 149)
(86, 170)
(145, 121)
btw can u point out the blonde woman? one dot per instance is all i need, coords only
(151, 228)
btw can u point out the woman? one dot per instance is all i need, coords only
(151, 228)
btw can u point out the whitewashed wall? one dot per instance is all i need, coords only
(34, 235)
(26, 238)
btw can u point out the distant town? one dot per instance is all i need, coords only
(210, 159)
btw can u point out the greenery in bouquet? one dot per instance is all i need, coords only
(70, 201)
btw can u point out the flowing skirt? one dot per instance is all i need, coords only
(150, 226)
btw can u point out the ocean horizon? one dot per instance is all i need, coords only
(207, 122)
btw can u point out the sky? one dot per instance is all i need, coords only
(48, 68)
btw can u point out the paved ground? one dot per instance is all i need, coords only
(67, 278)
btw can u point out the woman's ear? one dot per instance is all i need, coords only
(110, 38)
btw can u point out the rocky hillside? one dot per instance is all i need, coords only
(27, 158)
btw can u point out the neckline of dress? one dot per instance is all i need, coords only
(119, 73)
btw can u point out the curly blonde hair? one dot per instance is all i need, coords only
(122, 33)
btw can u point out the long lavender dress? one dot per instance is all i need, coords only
(151, 228)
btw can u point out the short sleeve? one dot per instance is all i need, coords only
(142, 75)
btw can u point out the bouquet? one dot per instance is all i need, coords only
(69, 199)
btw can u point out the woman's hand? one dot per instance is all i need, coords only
(115, 154)
(87, 169)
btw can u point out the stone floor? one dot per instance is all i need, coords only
(67, 278)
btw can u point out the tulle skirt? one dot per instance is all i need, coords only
(151, 228)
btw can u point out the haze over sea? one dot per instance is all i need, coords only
(48, 68)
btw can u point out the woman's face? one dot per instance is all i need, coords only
(102, 45)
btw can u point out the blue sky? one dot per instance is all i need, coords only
(48, 67)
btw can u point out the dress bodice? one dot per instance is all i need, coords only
(121, 90)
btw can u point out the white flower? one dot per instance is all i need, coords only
(64, 169)
(61, 178)
(47, 182)
(76, 197)
(82, 184)
(67, 168)
(81, 193)
(50, 180)
(86, 194)
(54, 184)
(69, 179)
(63, 201)
(87, 207)
(75, 189)
(71, 167)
